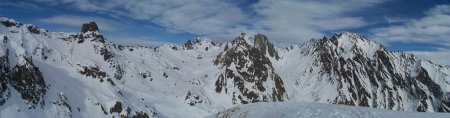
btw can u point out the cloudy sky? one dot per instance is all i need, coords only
(420, 26)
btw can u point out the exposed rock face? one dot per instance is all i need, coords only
(8, 23)
(248, 74)
(93, 35)
(264, 45)
(33, 29)
(102, 48)
(365, 74)
(192, 99)
(63, 103)
(197, 42)
(445, 103)
(116, 108)
(23, 76)
(28, 80)
(4, 77)
(93, 72)
(92, 26)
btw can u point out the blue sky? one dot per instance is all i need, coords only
(420, 26)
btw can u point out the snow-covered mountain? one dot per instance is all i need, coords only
(57, 74)
(350, 69)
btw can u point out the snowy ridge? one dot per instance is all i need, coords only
(352, 43)
(353, 70)
(57, 74)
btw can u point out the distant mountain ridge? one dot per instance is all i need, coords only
(55, 74)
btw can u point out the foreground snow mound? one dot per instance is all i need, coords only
(315, 110)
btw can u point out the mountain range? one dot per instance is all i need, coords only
(59, 74)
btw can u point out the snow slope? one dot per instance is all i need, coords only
(315, 110)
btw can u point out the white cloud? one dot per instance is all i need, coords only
(139, 41)
(392, 20)
(192, 16)
(433, 28)
(302, 20)
(21, 4)
(203, 17)
(440, 56)
(297, 20)
(77, 21)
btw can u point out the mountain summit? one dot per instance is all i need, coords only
(91, 26)
(247, 67)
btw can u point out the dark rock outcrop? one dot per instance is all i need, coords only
(92, 26)
(8, 23)
(33, 29)
(25, 78)
(4, 77)
(94, 72)
(192, 99)
(28, 80)
(263, 45)
(116, 108)
(22, 76)
(199, 41)
(189, 45)
(245, 64)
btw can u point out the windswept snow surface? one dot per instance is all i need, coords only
(315, 110)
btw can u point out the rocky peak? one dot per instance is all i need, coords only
(190, 44)
(241, 41)
(202, 41)
(88, 31)
(91, 26)
(246, 66)
(349, 35)
(259, 42)
(353, 39)
(262, 43)
(348, 43)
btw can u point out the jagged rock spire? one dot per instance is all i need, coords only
(92, 26)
